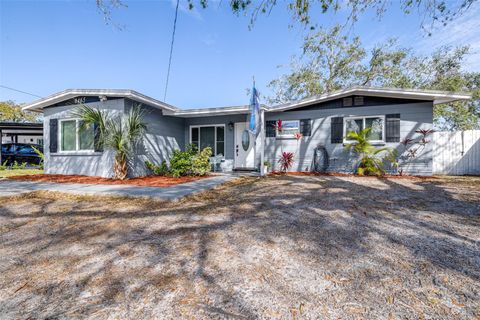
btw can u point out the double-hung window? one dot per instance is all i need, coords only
(357, 124)
(212, 136)
(73, 137)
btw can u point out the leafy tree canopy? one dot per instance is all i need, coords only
(332, 61)
(11, 112)
(434, 12)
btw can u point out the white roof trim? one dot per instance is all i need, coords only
(212, 111)
(437, 97)
(38, 105)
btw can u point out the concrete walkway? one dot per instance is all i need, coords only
(13, 187)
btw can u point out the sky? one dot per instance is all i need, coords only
(49, 46)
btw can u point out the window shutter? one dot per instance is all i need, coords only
(53, 135)
(392, 127)
(306, 127)
(270, 128)
(336, 130)
(97, 146)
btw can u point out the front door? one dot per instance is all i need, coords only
(244, 147)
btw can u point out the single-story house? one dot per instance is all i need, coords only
(393, 115)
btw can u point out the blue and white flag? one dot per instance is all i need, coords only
(254, 111)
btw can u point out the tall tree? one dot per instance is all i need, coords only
(331, 61)
(434, 12)
(12, 112)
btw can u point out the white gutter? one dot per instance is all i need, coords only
(437, 97)
(38, 105)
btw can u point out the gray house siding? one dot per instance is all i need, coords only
(167, 133)
(164, 135)
(413, 116)
(81, 163)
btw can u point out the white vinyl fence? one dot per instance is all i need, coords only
(456, 153)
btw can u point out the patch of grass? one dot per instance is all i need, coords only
(19, 172)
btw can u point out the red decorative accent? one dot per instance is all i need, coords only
(279, 126)
(286, 161)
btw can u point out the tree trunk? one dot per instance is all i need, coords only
(120, 168)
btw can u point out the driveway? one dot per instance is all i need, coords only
(275, 248)
(15, 187)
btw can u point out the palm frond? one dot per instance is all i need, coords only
(134, 124)
(91, 116)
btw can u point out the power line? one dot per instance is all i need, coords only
(171, 50)
(13, 89)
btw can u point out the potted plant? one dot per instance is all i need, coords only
(266, 165)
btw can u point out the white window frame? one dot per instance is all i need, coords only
(363, 118)
(77, 137)
(215, 126)
(288, 135)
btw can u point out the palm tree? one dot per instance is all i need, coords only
(120, 134)
(370, 162)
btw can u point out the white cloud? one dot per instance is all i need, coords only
(210, 39)
(465, 30)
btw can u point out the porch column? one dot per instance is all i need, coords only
(262, 141)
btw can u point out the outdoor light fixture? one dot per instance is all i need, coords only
(230, 126)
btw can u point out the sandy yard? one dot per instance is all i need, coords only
(284, 247)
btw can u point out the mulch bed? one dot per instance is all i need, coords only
(341, 174)
(147, 181)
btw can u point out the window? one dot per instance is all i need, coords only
(356, 124)
(209, 136)
(289, 128)
(74, 138)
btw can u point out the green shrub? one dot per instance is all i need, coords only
(17, 166)
(190, 162)
(371, 163)
(3, 166)
(41, 155)
(201, 162)
(181, 163)
(161, 170)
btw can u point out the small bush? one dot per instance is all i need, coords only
(286, 161)
(41, 155)
(17, 166)
(3, 166)
(201, 162)
(190, 162)
(161, 170)
(181, 161)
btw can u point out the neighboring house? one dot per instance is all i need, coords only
(21, 132)
(18, 132)
(393, 114)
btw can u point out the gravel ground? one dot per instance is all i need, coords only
(285, 247)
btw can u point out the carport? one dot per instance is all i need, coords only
(16, 131)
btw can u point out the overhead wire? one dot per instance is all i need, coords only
(171, 51)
